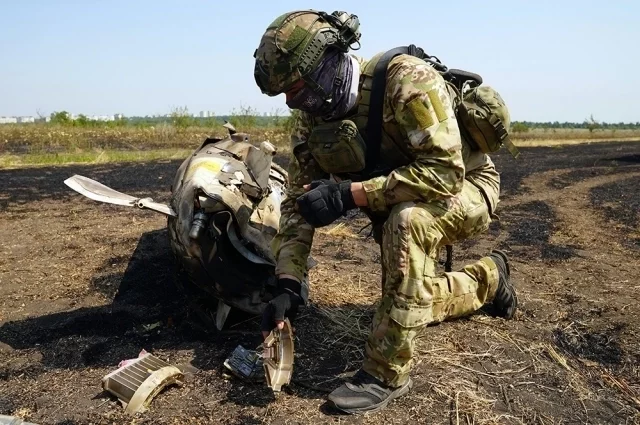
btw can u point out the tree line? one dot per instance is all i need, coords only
(247, 117)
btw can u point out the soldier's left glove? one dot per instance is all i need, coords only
(325, 202)
(285, 303)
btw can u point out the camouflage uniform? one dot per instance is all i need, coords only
(444, 194)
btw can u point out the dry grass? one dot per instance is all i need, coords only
(340, 229)
(455, 367)
(459, 368)
(556, 356)
(89, 157)
(569, 142)
(621, 385)
(22, 139)
(349, 328)
(27, 145)
(45, 138)
(575, 134)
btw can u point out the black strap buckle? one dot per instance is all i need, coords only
(499, 127)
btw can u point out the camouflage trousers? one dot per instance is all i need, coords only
(414, 293)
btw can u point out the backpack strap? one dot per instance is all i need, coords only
(374, 121)
(374, 105)
(503, 135)
(376, 101)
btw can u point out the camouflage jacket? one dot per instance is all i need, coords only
(418, 109)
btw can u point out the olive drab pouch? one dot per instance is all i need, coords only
(338, 147)
(485, 118)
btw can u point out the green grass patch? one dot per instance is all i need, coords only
(89, 157)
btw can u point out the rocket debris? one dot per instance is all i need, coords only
(140, 380)
(278, 357)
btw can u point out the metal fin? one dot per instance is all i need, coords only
(101, 193)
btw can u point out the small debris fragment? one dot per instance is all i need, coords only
(13, 420)
(151, 326)
(139, 380)
(278, 357)
(128, 361)
(245, 364)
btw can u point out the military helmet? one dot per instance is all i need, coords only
(294, 44)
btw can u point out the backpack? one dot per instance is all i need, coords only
(481, 113)
(484, 117)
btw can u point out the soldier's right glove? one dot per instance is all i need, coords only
(284, 304)
(325, 202)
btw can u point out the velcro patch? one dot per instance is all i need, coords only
(437, 105)
(420, 113)
(296, 38)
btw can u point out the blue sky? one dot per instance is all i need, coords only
(550, 60)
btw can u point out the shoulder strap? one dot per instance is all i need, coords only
(378, 85)
(374, 121)
(376, 103)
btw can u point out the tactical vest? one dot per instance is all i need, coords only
(394, 152)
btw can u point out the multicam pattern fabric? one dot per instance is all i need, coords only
(418, 101)
(292, 244)
(437, 171)
(414, 293)
(425, 203)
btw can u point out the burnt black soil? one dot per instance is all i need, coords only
(530, 239)
(580, 161)
(85, 285)
(620, 201)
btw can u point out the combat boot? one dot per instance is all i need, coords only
(366, 393)
(505, 301)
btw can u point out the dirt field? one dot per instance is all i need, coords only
(80, 283)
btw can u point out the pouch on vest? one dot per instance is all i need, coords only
(338, 147)
(485, 117)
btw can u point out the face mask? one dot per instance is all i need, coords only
(325, 76)
(306, 100)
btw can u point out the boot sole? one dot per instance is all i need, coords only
(377, 407)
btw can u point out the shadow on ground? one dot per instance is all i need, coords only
(145, 296)
(148, 311)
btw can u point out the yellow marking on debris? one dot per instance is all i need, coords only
(211, 165)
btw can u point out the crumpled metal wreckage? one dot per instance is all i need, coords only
(223, 213)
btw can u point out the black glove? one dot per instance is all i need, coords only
(325, 202)
(284, 304)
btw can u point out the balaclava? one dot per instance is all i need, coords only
(341, 98)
